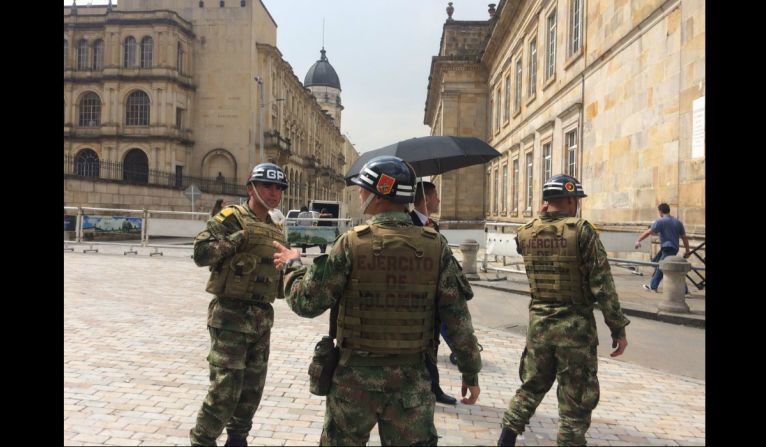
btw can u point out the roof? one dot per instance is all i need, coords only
(322, 73)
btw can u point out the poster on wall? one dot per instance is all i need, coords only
(698, 127)
(110, 227)
(70, 222)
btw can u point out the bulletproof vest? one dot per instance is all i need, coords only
(249, 274)
(388, 306)
(552, 260)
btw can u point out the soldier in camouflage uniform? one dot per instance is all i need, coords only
(237, 245)
(568, 272)
(389, 279)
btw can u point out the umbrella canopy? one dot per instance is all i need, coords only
(431, 155)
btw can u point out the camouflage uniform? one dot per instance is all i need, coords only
(397, 397)
(239, 332)
(561, 344)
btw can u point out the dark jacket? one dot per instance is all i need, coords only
(416, 220)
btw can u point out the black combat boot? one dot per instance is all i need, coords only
(443, 397)
(235, 440)
(507, 438)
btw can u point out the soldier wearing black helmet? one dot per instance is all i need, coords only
(568, 272)
(389, 280)
(237, 245)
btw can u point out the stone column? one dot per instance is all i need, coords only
(674, 269)
(469, 248)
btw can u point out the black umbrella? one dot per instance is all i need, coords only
(431, 155)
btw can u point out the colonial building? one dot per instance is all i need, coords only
(163, 94)
(611, 92)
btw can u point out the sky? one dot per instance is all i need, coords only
(381, 51)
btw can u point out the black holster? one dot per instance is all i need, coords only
(322, 366)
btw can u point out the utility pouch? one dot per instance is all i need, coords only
(322, 366)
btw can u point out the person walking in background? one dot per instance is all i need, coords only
(325, 214)
(217, 207)
(669, 229)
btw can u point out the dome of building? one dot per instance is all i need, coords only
(322, 74)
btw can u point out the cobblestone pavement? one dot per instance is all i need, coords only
(135, 373)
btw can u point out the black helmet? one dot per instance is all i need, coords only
(269, 173)
(562, 185)
(389, 177)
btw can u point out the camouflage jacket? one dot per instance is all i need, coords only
(310, 291)
(217, 242)
(563, 324)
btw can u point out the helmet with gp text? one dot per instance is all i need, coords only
(560, 186)
(269, 173)
(389, 177)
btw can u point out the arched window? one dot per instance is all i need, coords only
(135, 168)
(98, 55)
(137, 109)
(180, 59)
(82, 54)
(130, 52)
(86, 163)
(66, 54)
(90, 110)
(146, 52)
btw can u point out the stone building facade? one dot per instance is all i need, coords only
(611, 92)
(161, 94)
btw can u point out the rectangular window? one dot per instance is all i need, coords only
(179, 176)
(497, 108)
(547, 161)
(494, 197)
(179, 117)
(571, 146)
(98, 55)
(515, 188)
(491, 112)
(82, 55)
(532, 68)
(504, 196)
(180, 59)
(507, 108)
(575, 26)
(550, 58)
(517, 98)
(529, 182)
(130, 53)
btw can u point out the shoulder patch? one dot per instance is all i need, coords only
(361, 230)
(226, 212)
(528, 225)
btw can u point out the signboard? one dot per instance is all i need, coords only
(309, 236)
(111, 227)
(698, 127)
(70, 222)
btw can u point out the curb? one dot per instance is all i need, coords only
(657, 316)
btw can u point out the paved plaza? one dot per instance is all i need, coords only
(135, 373)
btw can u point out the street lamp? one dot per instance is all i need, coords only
(259, 80)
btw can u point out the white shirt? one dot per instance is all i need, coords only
(423, 218)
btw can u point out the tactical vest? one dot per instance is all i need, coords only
(552, 260)
(388, 306)
(249, 274)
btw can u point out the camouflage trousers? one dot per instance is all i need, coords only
(360, 397)
(575, 369)
(238, 363)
